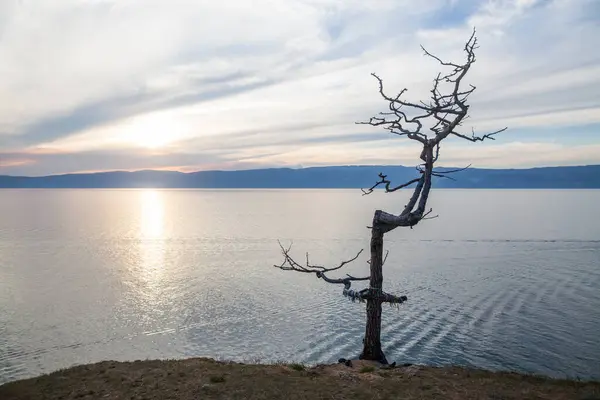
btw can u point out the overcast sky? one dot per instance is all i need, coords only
(92, 85)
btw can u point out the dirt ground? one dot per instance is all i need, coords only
(202, 378)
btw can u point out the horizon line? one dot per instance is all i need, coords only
(159, 170)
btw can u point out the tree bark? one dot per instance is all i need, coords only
(372, 341)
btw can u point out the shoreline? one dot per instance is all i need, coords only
(195, 378)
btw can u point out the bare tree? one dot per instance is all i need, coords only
(443, 115)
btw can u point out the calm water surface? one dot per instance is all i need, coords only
(501, 280)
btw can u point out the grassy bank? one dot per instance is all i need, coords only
(203, 378)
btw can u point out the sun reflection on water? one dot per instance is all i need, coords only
(151, 239)
(152, 214)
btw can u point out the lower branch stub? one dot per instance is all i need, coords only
(366, 294)
(390, 298)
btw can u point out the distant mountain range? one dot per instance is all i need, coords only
(317, 177)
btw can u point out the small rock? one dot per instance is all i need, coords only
(389, 366)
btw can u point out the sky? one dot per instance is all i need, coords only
(97, 85)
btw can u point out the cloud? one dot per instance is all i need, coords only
(256, 83)
(35, 164)
(359, 151)
(109, 110)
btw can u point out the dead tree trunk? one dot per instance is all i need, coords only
(372, 341)
(443, 115)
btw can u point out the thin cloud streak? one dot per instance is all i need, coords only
(386, 152)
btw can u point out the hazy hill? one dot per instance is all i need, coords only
(318, 177)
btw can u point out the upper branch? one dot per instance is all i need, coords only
(446, 110)
(384, 181)
(474, 138)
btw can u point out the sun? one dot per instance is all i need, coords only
(153, 131)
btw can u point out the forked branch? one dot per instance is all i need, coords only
(289, 264)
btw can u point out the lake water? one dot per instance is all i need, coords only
(502, 279)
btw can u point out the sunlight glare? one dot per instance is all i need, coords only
(151, 215)
(153, 131)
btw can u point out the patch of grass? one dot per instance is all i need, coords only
(366, 369)
(297, 367)
(217, 379)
